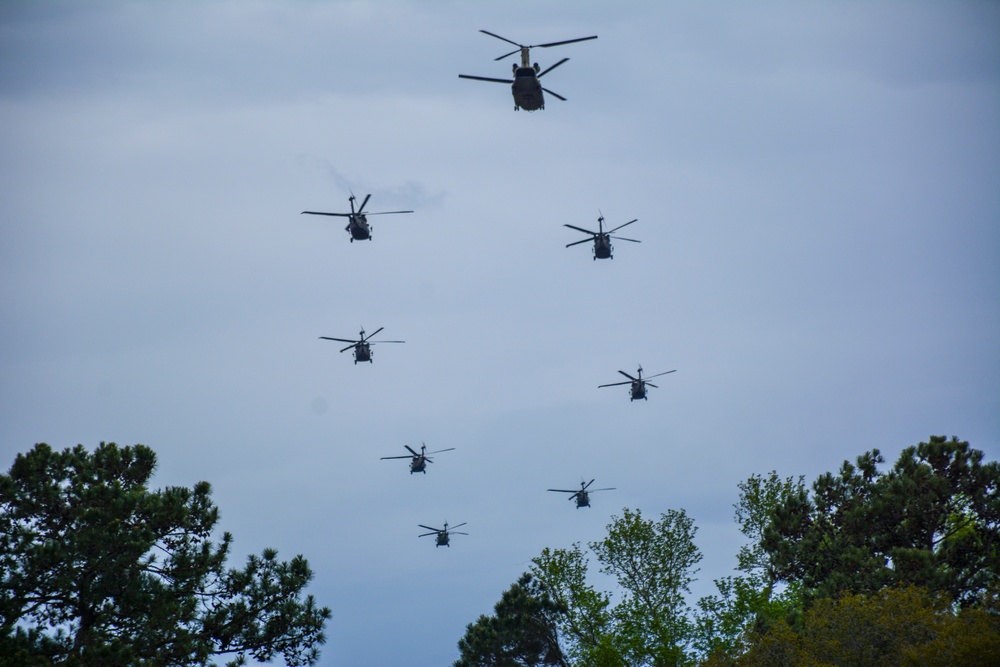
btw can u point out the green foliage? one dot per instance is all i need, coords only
(748, 603)
(96, 569)
(894, 627)
(933, 521)
(523, 630)
(653, 563)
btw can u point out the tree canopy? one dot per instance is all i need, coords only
(933, 521)
(97, 569)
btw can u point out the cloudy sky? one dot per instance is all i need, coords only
(818, 194)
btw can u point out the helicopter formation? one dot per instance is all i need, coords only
(528, 94)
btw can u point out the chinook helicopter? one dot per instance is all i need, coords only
(362, 346)
(582, 495)
(357, 221)
(525, 86)
(442, 533)
(639, 384)
(418, 462)
(601, 238)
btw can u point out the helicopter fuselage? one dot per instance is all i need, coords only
(527, 89)
(602, 247)
(362, 352)
(358, 227)
(442, 539)
(638, 390)
(582, 499)
(418, 464)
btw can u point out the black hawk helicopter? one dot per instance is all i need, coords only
(525, 86)
(442, 533)
(601, 238)
(582, 495)
(357, 221)
(362, 346)
(639, 384)
(418, 462)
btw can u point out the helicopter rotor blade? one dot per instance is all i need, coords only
(564, 490)
(426, 534)
(659, 374)
(458, 526)
(567, 41)
(556, 95)
(609, 488)
(348, 347)
(549, 69)
(373, 342)
(629, 376)
(485, 78)
(456, 532)
(611, 231)
(579, 242)
(581, 229)
(622, 238)
(436, 530)
(491, 34)
(342, 340)
(437, 451)
(387, 212)
(342, 215)
(362, 207)
(506, 54)
(411, 450)
(613, 384)
(364, 337)
(393, 457)
(650, 384)
(587, 485)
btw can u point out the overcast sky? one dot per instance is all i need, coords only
(818, 194)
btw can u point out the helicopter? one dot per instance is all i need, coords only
(418, 462)
(362, 346)
(357, 223)
(601, 238)
(525, 86)
(582, 496)
(639, 384)
(442, 533)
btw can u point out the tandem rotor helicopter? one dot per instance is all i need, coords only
(601, 238)
(418, 462)
(442, 533)
(525, 86)
(362, 346)
(357, 221)
(582, 495)
(639, 384)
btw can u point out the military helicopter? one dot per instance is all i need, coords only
(639, 384)
(442, 533)
(362, 346)
(582, 496)
(357, 222)
(525, 86)
(601, 238)
(418, 462)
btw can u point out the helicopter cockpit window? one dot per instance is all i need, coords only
(523, 72)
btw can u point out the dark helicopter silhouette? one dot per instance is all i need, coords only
(362, 346)
(418, 462)
(601, 238)
(639, 384)
(442, 533)
(581, 495)
(525, 86)
(357, 223)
